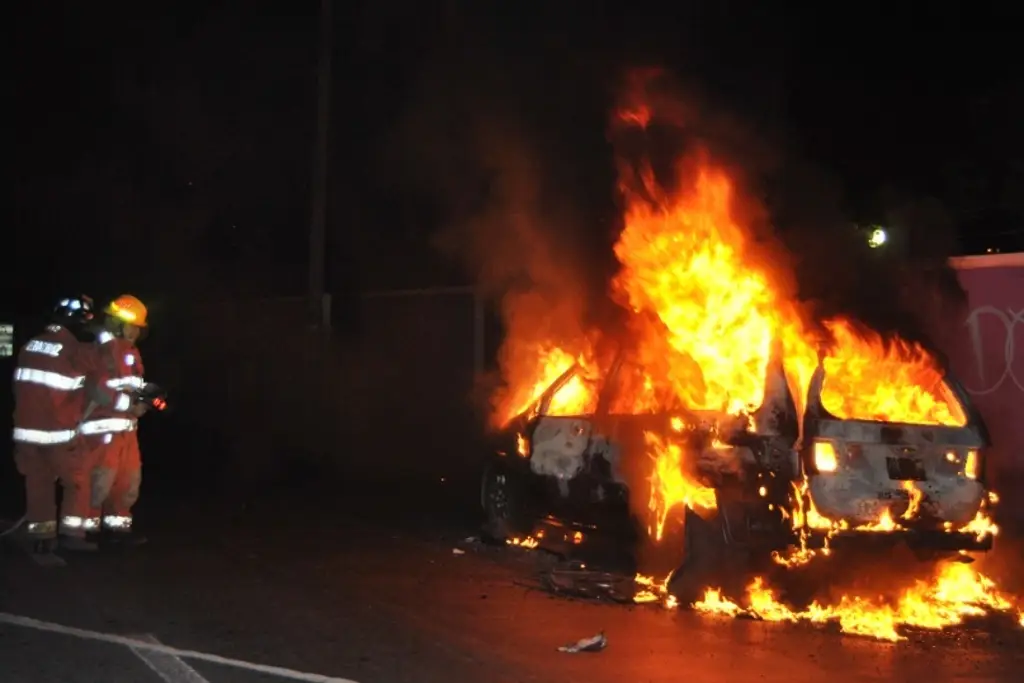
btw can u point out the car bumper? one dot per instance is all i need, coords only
(924, 539)
(860, 500)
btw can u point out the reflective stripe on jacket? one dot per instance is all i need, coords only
(116, 370)
(49, 388)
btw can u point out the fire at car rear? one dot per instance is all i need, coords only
(919, 479)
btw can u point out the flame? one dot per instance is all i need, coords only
(982, 526)
(806, 520)
(868, 378)
(714, 602)
(652, 590)
(956, 593)
(649, 589)
(529, 369)
(670, 485)
(682, 257)
(916, 496)
(528, 542)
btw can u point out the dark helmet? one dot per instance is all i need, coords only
(74, 312)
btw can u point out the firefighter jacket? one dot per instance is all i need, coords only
(118, 371)
(49, 388)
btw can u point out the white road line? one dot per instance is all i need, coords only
(133, 643)
(167, 667)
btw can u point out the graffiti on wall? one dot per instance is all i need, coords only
(989, 329)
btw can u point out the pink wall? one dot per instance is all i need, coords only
(985, 345)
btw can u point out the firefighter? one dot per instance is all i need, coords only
(50, 399)
(111, 434)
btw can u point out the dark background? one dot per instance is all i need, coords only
(166, 150)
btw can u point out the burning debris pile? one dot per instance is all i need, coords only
(709, 313)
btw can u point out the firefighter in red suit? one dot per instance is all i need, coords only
(110, 434)
(51, 392)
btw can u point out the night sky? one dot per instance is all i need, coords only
(171, 149)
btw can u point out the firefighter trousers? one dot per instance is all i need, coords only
(116, 479)
(42, 466)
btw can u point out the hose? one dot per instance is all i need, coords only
(14, 527)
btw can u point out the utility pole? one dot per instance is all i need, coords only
(318, 217)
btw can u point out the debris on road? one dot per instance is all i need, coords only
(592, 644)
(588, 585)
(458, 551)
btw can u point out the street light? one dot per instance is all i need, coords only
(877, 237)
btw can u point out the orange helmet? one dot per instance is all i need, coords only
(128, 309)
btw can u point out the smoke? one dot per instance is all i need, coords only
(522, 249)
(485, 146)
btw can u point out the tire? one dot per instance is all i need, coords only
(500, 504)
(703, 559)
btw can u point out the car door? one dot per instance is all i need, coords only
(559, 441)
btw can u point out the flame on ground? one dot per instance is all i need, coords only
(806, 520)
(528, 542)
(956, 593)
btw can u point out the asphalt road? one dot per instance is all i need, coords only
(365, 586)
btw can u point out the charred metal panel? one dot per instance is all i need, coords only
(610, 453)
(879, 467)
(558, 446)
(857, 431)
(777, 416)
(718, 464)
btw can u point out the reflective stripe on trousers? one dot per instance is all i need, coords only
(115, 480)
(73, 525)
(117, 522)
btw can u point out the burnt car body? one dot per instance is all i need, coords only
(929, 477)
(581, 477)
(561, 476)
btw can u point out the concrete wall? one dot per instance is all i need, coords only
(985, 345)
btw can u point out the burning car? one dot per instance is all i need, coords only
(727, 423)
(747, 487)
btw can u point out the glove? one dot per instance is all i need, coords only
(150, 396)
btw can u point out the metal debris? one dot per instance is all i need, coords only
(592, 644)
(589, 585)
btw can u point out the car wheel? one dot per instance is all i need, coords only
(500, 505)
